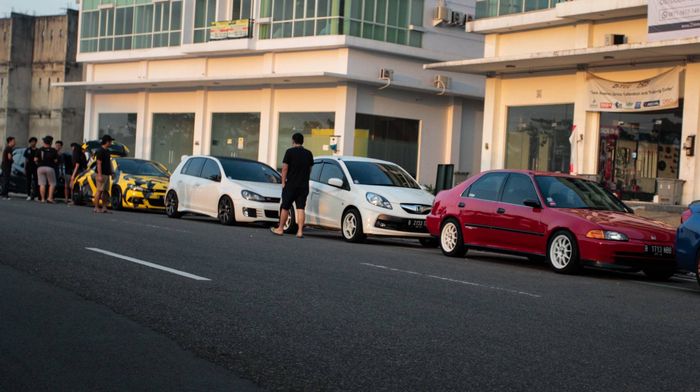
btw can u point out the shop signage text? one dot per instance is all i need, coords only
(673, 19)
(660, 92)
(230, 29)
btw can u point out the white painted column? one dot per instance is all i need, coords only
(690, 166)
(453, 132)
(89, 131)
(200, 121)
(489, 146)
(143, 128)
(267, 150)
(345, 112)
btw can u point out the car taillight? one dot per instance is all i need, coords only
(686, 215)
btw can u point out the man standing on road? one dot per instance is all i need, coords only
(104, 173)
(296, 170)
(79, 162)
(30, 169)
(64, 169)
(7, 167)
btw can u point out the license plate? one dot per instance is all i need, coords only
(658, 250)
(416, 224)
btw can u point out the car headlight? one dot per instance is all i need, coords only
(607, 235)
(133, 187)
(252, 196)
(378, 200)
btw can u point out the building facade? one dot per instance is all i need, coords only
(540, 60)
(36, 53)
(238, 78)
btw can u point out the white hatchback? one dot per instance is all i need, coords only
(362, 196)
(229, 189)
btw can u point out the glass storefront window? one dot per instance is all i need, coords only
(317, 129)
(538, 137)
(172, 137)
(235, 135)
(637, 148)
(120, 126)
(387, 138)
(130, 24)
(491, 8)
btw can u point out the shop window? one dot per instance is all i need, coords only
(121, 126)
(317, 129)
(204, 15)
(172, 137)
(538, 137)
(388, 138)
(637, 148)
(235, 135)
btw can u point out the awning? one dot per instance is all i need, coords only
(607, 56)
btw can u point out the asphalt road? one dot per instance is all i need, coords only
(238, 309)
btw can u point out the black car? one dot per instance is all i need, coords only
(18, 180)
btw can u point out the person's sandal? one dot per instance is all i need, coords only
(273, 230)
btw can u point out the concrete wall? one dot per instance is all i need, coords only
(19, 77)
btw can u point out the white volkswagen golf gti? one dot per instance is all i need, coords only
(229, 189)
(362, 196)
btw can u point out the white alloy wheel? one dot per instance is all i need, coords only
(449, 238)
(561, 252)
(349, 225)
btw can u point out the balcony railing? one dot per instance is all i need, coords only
(492, 8)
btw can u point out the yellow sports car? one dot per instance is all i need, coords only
(136, 184)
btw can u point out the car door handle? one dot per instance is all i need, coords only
(460, 205)
(501, 211)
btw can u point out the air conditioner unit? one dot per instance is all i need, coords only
(441, 13)
(386, 74)
(615, 39)
(457, 18)
(441, 82)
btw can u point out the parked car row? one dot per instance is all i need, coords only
(568, 221)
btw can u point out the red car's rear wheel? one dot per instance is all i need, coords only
(451, 240)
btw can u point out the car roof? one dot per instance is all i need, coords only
(349, 158)
(532, 173)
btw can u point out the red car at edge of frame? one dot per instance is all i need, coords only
(567, 220)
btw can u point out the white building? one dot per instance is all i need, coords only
(157, 82)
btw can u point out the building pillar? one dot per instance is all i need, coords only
(584, 143)
(345, 112)
(453, 132)
(200, 123)
(690, 166)
(89, 131)
(143, 131)
(268, 136)
(489, 148)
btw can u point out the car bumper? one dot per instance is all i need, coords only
(249, 212)
(394, 224)
(628, 254)
(144, 200)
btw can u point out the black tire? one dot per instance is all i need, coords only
(115, 199)
(226, 212)
(290, 227)
(562, 253)
(697, 270)
(351, 226)
(451, 239)
(431, 242)
(77, 196)
(659, 274)
(171, 205)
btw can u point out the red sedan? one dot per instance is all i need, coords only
(567, 220)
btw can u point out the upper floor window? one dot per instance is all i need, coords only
(130, 24)
(204, 15)
(491, 8)
(381, 20)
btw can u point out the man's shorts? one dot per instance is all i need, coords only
(46, 176)
(102, 186)
(296, 196)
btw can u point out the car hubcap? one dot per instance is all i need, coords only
(171, 204)
(288, 222)
(448, 238)
(560, 252)
(224, 211)
(349, 225)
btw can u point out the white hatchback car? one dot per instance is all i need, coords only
(229, 189)
(362, 196)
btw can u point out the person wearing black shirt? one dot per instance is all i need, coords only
(47, 162)
(78, 161)
(6, 167)
(30, 169)
(64, 169)
(104, 173)
(296, 170)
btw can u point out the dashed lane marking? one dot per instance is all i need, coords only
(463, 282)
(148, 264)
(666, 286)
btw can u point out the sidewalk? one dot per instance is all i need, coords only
(669, 214)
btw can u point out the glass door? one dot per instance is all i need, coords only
(172, 137)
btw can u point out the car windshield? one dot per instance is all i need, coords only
(242, 170)
(567, 192)
(139, 167)
(380, 174)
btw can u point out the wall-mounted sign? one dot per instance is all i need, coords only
(230, 29)
(672, 19)
(657, 93)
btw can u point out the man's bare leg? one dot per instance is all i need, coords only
(284, 215)
(301, 219)
(96, 200)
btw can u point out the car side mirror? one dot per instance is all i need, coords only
(336, 182)
(215, 178)
(532, 203)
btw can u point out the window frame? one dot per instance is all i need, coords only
(346, 183)
(210, 161)
(505, 175)
(531, 182)
(189, 163)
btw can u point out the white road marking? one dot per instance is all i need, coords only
(148, 264)
(667, 286)
(483, 286)
(150, 226)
